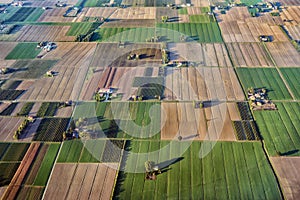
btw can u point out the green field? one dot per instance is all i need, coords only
(264, 77)
(123, 34)
(13, 151)
(200, 32)
(26, 14)
(46, 166)
(250, 2)
(51, 129)
(91, 151)
(26, 109)
(7, 171)
(202, 18)
(232, 170)
(183, 11)
(291, 76)
(128, 119)
(95, 3)
(281, 129)
(31, 69)
(47, 109)
(23, 51)
(81, 28)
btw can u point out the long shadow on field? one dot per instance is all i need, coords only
(207, 104)
(167, 163)
(288, 153)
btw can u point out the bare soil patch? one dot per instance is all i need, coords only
(82, 181)
(286, 169)
(182, 119)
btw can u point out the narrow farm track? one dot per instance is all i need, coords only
(280, 74)
(19, 176)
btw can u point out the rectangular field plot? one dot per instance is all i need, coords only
(188, 175)
(280, 129)
(24, 51)
(291, 76)
(249, 55)
(44, 156)
(37, 33)
(285, 168)
(6, 48)
(134, 13)
(284, 54)
(122, 34)
(51, 129)
(26, 14)
(203, 84)
(240, 31)
(13, 151)
(199, 32)
(82, 181)
(7, 172)
(213, 122)
(91, 151)
(119, 119)
(110, 55)
(204, 54)
(9, 126)
(264, 77)
(31, 69)
(129, 23)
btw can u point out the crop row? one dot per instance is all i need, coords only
(51, 129)
(91, 151)
(186, 173)
(280, 129)
(48, 109)
(246, 130)
(10, 94)
(7, 111)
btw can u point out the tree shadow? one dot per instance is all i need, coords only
(191, 136)
(211, 103)
(167, 163)
(288, 153)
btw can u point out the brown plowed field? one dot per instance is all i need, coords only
(40, 4)
(9, 126)
(72, 69)
(64, 112)
(204, 54)
(134, 13)
(293, 31)
(202, 84)
(210, 123)
(238, 31)
(63, 49)
(290, 2)
(284, 54)
(56, 15)
(20, 174)
(200, 3)
(6, 48)
(291, 15)
(109, 54)
(25, 85)
(287, 170)
(249, 55)
(194, 11)
(31, 33)
(81, 181)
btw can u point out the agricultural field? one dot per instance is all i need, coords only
(23, 51)
(119, 120)
(134, 13)
(284, 54)
(36, 33)
(191, 176)
(51, 129)
(280, 129)
(31, 69)
(56, 15)
(91, 151)
(264, 77)
(199, 32)
(290, 75)
(285, 169)
(26, 14)
(212, 122)
(6, 47)
(71, 71)
(113, 56)
(209, 54)
(70, 175)
(249, 55)
(8, 126)
(203, 84)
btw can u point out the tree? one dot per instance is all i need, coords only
(149, 166)
(164, 19)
